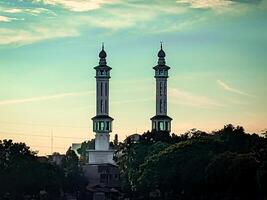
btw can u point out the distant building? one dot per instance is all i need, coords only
(133, 138)
(56, 158)
(104, 181)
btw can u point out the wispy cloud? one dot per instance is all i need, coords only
(213, 4)
(34, 34)
(132, 15)
(159, 16)
(125, 16)
(11, 10)
(31, 11)
(232, 89)
(178, 96)
(6, 19)
(42, 98)
(78, 5)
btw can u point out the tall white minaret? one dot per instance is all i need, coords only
(161, 121)
(102, 122)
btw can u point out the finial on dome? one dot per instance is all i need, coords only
(102, 56)
(161, 53)
(102, 53)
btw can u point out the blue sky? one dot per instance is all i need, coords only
(216, 50)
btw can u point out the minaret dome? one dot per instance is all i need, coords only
(102, 53)
(161, 53)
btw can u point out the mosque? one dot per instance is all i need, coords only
(102, 122)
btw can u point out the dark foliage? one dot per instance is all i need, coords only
(23, 176)
(90, 144)
(74, 179)
(226, 164)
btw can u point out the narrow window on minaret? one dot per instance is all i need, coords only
(101, 106)
(160, 106)
(165, 89)
(106, 106)
(101, 89)
(106, 89)
(160, 88)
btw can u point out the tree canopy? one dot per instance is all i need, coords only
(23, 176)
(224, 164)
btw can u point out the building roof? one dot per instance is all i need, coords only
(103, 117)
(106, 67)
(161, 117)
(161, 66)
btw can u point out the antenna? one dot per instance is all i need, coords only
(52, 141)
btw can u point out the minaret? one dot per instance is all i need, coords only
(102, 122)
(161, 121)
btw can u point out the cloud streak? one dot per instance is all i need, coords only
(6, 19)
(78, 5)
(213, 4)
(34, 34)
(231, 89)
(31, 11)
(186, 98)
(41, 98)
(122, 15)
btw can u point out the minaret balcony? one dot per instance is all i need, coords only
(102, 123)
(102, 71)
(161, 123)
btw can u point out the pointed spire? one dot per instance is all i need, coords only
(102, 56)
(161, 55)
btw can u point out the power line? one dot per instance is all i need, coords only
(42, 146)
(35, 135)
(44, 125)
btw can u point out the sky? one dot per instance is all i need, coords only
(216, 50)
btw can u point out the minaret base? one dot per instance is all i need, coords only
(101, 156)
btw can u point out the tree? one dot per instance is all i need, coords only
(233, 175)
(90, 144)
(116, 140)
(75, 181)
(264, 133)
(132, 154)
(23, 175)
(178, 169)
(227, 164)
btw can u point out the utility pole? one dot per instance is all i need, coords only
(52, 141)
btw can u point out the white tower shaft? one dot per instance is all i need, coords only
(102, 96)
(161, 96)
